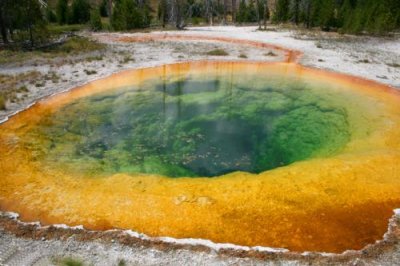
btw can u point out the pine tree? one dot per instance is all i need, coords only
(50, 15)
(118, 20)
(103, 8)
(315, 12)
(128, 15)
(31, 20)
(345, 12)
(296, 11)
(371, 16)
(162, 12)
(251, 15)
(380, 18)
(62, 11)
(242, 12)
(282, 11)
(3, 20)
(326, 18)
(132, 16)
(80, 12)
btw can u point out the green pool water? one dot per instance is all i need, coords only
(194, 126)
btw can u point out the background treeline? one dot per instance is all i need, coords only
(26, 21)
(123, 14)
(22, 20)
(349, 16)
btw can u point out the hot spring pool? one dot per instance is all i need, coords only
(259, 154)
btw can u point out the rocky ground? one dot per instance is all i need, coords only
(36, 77)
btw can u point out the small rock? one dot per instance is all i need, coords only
(382, 77)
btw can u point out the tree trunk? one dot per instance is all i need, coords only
(296, 11)
(225, 7)
(233, 11)
(265, 15)
(109, 7)
(258, 14)
(30, 23)
(308, 20)
(3, 28)
(162, 9)
(217, 9)
(31, 36)
(209, 11)
(178, 22)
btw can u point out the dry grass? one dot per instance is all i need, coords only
(74, 46)
(2, 103)
(52, 76)
(126, 59)
(13, 87)
(396, 65)
(78, 45)
(94, 58)
(364, 61)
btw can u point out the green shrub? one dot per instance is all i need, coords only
(71, 262)
(217, 52)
